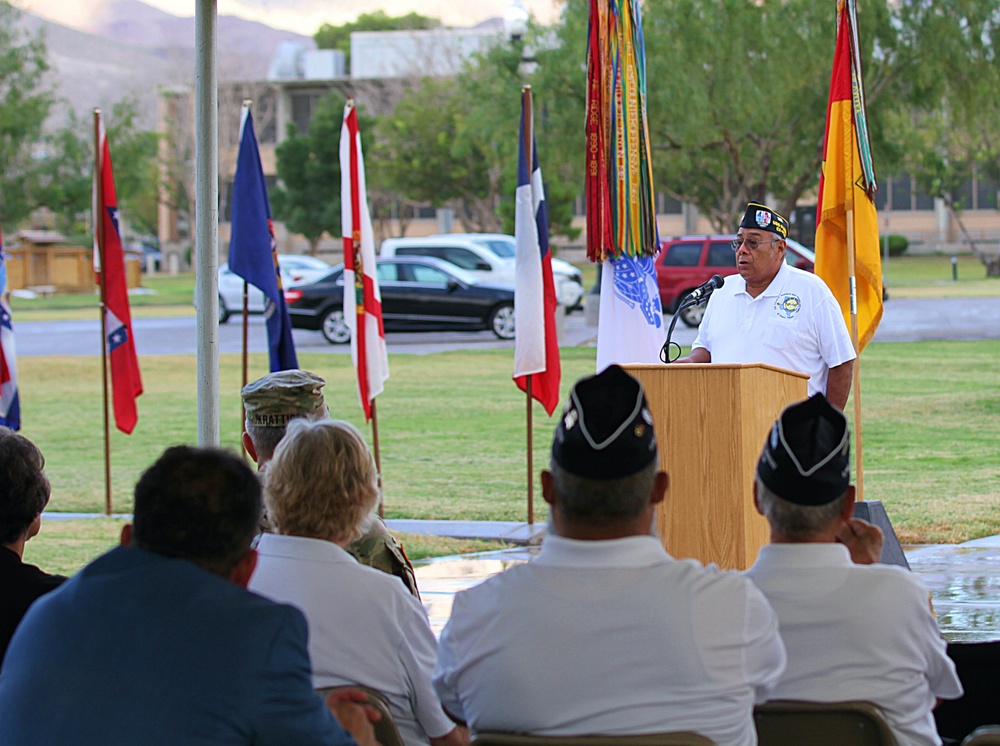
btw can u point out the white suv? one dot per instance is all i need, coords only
(489, 257)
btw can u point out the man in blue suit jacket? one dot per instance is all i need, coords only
(158, 642)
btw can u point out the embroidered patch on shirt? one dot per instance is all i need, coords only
(787, 305)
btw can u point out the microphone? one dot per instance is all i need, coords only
(707, 289)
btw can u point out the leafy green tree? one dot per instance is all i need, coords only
(65, 174)
(307, 198)
(25, 102)
(453, 142)
(955, 131)
(330, 36)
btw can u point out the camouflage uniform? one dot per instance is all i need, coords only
(276, 399)
(379, 549)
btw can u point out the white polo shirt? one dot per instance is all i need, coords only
(857, 632)
(610, 637)
(364, 627)
(795, 323)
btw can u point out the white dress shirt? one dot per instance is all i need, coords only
(795, 323)
(857, 632)
(364, 627)
(610, 637)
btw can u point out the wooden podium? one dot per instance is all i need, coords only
(711, 421)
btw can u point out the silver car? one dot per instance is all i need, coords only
(296, 269)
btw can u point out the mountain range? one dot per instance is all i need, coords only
(122, 48)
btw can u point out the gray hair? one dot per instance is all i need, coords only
(797, 522)
(602, 501)
(322, 481)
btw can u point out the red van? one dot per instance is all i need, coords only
(686, 262)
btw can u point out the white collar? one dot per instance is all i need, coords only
(631, 551)
(303, 548)
(803, 555)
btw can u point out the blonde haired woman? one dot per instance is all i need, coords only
(364, 628)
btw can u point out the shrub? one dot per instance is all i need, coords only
(898, 244)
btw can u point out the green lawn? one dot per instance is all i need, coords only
(451, 431)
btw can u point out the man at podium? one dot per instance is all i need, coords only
(776, 314)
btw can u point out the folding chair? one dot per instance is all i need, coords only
(988, 735)
(677, 738)
(386, 731)
(788, 722)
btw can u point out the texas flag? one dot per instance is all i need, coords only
(536, 345)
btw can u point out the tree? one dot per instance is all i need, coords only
(956, 133)
(25, 102)
(339, 37)
(307, 198)
(177, 142)
(453, 142)
(737, 90)
(65, 174)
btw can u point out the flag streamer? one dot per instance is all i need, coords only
(846, 190)
(621, 213)
(253, 253)
(10, 402)
(362, 298)
(109, 261)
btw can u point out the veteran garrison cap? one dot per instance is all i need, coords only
(762, 217)
(806, 459)
(277, 398)
(606, 429)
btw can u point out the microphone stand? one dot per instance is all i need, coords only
(686, 303)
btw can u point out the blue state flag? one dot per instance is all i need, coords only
(252, 253)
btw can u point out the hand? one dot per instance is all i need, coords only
(863, 540)
(354, 716)
(458, 736)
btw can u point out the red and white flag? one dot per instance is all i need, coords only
(109, 263)
(362, 299)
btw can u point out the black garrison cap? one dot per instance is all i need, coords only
(806, 459)
(606, 429)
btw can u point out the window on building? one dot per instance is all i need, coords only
(267, 105)
(901, 193)
(986, 193)
(302, 109)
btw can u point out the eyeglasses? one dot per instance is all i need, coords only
(750, 242)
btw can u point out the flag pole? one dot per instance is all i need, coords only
(529, 138)
(378, 456)
(99, 232)
(859, 473)
(247, 103)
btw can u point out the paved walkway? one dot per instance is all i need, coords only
(964, 579)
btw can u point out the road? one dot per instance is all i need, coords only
(903, 320)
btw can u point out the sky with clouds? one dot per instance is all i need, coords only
(305, 16)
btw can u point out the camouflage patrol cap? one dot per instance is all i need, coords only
(277, 398)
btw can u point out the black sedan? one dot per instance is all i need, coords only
(418, 294)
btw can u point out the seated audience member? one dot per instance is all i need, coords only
(604, 632)
(853, 630)
(271, 403)
(978, 668)
(158, 642)
(24, 493)
(364, 628)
